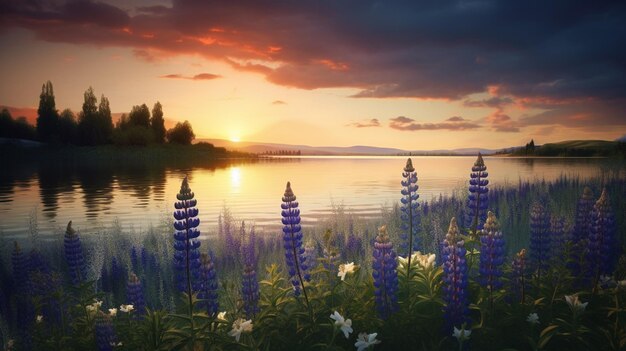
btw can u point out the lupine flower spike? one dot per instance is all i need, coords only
(602, 253)
(74, 255)
(492, 255)
(580, 232)
(292, 239)
(454, 278)
(478, 200)
(105, 334)
(385, 274)
(539, 238)
(207, 287)
(409, 209)
(134, 293)
(518, 278)
(249, 283)
(187, 255)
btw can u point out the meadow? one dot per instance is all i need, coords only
(536, 266)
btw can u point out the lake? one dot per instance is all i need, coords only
(140, 197)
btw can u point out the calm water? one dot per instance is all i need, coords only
(252, 191)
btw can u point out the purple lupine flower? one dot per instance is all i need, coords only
(602, 253)
(118, 280)
(492, 253)
(134, 294)
(518, 277)
(186, 244)
(105, 334)
(207, 288)
(385, 275)
(292, 238)
(74, 255)
(409, 210)
(455, 281)
(557, 238)
(478, 200)
(354, 246)
(583, 220)
(134, 260)
(249, 284)
(105, 279)
(539, 238)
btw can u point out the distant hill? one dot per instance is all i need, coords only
(261, 147)
(577, 148)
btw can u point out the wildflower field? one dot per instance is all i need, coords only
(537, 266)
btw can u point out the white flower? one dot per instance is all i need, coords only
(113, 344)
(574, 303)
(344, 324)
(424, 260)
(622, 283)
(113, 312)
(240, 326)
(39, 318)
(533, 318)
(366, 340)
(126, 308)
(95, 306)
(345, 269)
(461, 334)
(222, 316)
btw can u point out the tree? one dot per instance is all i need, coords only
(182, 133)
(47, 115)
(158, 123)
(6, 124)
(88, 119)
(105, 121)
(68, 128)
(140, 116)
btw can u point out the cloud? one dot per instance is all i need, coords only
(494, 102)
(501, 122)
(560, 52)
(374, 122)
(278, 102)
(452, 123)
(200, 76)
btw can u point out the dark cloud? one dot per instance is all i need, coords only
(558, 51)
(452, 123)
(494, 102)
(278, 102)
(374, 122)
(201, 76)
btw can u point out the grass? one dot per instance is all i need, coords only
(284, 321)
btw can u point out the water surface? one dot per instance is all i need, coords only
(143, 196)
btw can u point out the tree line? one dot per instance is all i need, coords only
(94, 124)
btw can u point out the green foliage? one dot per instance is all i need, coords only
(48, 116)
(68, 127)
(157, 123)
(133, 136)
(140, 116)
(15, 128)
(182, 133)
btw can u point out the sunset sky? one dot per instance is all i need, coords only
(408, 74)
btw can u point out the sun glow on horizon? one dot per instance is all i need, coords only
(235, 139)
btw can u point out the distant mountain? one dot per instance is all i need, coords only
(622, 139)
(261, 147)
(576, 148)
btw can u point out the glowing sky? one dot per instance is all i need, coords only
(406, 74)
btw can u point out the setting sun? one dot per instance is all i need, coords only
(235, 139)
